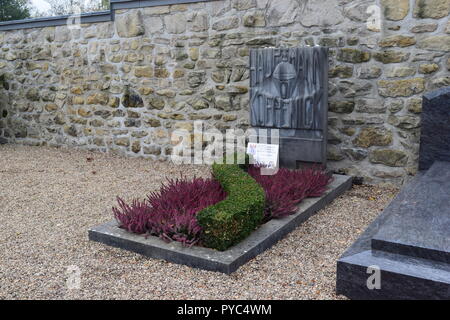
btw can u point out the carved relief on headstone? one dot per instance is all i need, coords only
(289, 91)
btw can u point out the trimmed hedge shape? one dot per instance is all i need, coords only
(233, 219)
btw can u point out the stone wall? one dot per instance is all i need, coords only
(122, 86)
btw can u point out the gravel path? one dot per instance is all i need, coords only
(50, 197)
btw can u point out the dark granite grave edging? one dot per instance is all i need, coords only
(228, 261)
(402, 277)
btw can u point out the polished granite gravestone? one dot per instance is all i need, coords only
(409, 242)
(419, 226)
(289, 101)
(435, 135)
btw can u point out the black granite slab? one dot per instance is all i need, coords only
(419, 224)
(403, 275)
(435, 135)
(208, 259)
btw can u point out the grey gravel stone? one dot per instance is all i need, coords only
(50, 197)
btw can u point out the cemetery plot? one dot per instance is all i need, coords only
(221, 261)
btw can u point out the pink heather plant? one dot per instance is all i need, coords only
(170, 213)
(287, 188)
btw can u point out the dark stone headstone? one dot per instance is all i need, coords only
(289, 93)
(409, 243)
(435, 136)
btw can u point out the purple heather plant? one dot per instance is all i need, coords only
(287, 188)
(171, 212)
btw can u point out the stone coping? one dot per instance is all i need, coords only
(91, 17)
(208, 259)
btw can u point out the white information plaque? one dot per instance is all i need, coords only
(264, 154)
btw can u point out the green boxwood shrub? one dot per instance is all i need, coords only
(233, 219)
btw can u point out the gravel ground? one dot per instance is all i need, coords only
(50, 197)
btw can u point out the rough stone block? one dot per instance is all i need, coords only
(395, 9)
(434, 9)
(401, 88)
